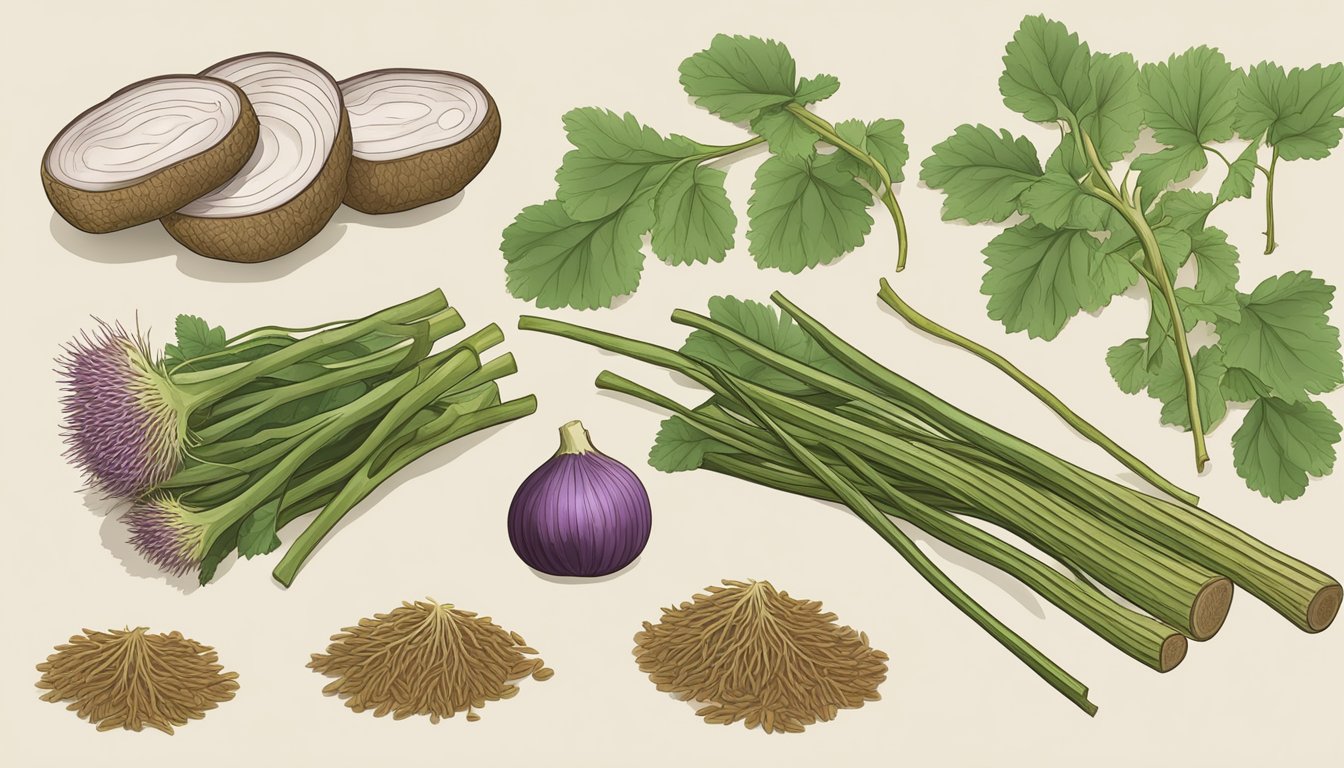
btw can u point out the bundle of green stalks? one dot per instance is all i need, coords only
(218, 443)
(794, 407)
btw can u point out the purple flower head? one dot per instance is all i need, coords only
(120, 422)
(166, 533)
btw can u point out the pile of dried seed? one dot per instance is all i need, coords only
(426, 658)
(132, 679)
(751, 653)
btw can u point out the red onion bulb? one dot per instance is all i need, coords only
(582, 513)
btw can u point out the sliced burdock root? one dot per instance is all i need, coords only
(420, 136)
(146, 151)
(294, 180)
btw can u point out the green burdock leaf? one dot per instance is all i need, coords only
(1216, 260)
(1057, 201)
(784, 133)
(1297, 112)
(1168, 385)
(1128, 365)
(982, 173)
(768, 327)
(1188, 100)
(1172, 243)
(1241, 386)
(1046, 72)
(614, 158)
(737, 77)
(1280, 444)
(1284, 336)
(679, 446)
(256, 534)
(695, 222)
(884, 140)
(1240, 178)
(1182, 209)
(1040, 277)
(814, 89)
(559, 262)
(1114, 124)
(1165, 167)
(805, 212)
(1197, 305)
(195, 337)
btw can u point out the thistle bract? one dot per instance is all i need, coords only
(164, 531)
(120, 423)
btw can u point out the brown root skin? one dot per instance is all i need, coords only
(163, 191)
(274, 233)
(392, 186)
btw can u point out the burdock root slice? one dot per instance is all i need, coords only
(419, 135)
(295, 178)
(146, 151)
(133, 679)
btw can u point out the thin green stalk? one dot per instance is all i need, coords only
(1270, 245)
(367, 479)
(888, 192)
(1052, 673)
(1071, 417)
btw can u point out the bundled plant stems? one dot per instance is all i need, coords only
(757, 655)
(797, 408)
(221, 442)
(133, 679)
(426, 658)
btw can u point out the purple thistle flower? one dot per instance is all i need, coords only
(120, 422)
(164, 531)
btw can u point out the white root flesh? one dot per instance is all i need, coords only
(399, 113)
(299, 111)
(142, 131)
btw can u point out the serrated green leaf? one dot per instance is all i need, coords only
(614, 157)
(1165, 167)
(695, 222)
(1216, 260)
(679, 446)
(982, 173)
(1190, 99)
(1241, 386)
(767, 326)
(1128, 365)
(195, 337)
(1168, 386)
(784, 133)
(1198, 305)
(883, 139)
(1114, 123)
(805, 212)
(1174, 246)
(1057, 201)
(1040, 277)
(1284, 336)
(1281, 444)
(1240, 174)
(1183, 209)
(559, 262)
(256, 535)
(737, 77)
(1046, 72)
(814, 89)
(1068, 160)
(1297, 112)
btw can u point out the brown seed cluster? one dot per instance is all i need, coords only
(426, 658)
(752, 653)
(132, 679)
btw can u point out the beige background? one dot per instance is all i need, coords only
(1262, 693)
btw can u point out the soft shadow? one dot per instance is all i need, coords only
(411, 218)
(116, 540)
(151, 241)
(584, 579)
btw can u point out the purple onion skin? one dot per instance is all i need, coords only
(580, 514)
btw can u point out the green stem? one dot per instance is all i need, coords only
(1270, 245)
(367, 479)
(1052, 673)
(1079, 424)
(887, 194)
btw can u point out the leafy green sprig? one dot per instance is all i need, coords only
(624, 180)
(1091, 232)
